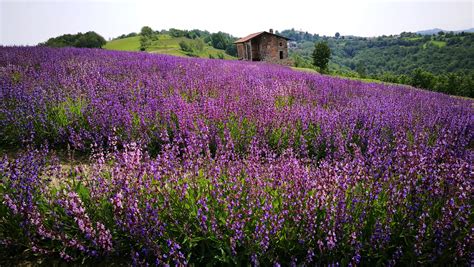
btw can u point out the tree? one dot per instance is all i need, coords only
(231, 50)
(223, 41)
(337, 35)
(360, 69)
(145, 35)
(186, 47)
(321, 55)
(422, 79)
(177, 32)
(146, 31)
(89, 39)
(144, 42)
(219, 40)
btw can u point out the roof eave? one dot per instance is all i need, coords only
(257, 34)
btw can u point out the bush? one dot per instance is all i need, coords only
(86, 40)
(192, 47)
(422, 79)
(186, 46)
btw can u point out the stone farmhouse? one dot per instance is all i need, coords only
(263, 46)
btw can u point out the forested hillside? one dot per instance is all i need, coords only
(441, 62)
(399, 54)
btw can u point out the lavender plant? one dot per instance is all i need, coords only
(198, 161)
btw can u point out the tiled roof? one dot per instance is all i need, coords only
(253, 35)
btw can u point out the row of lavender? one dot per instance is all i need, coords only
(250, 162)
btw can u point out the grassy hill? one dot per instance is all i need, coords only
(165, 44)
(126, 44)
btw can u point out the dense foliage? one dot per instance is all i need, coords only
(321, 56)
(214, 162)
(146, 35)
(196, 39)
(88, 39)
(123, 36)
(439, 62)
(225, 41)
(401, 54)
(450, 83)
(192, 47)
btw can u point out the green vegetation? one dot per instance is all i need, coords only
(440, 62)
(225, 42)
(146, 34)
(132, 34)
(439, 44)
(397, 54)
(194, 43)
(321, 55)
(125, 44)
(461, 84)
(192, 47)
(88, 40)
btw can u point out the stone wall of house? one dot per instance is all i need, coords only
(240, 51)
(270, 47)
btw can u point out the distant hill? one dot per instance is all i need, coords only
(165, 43)
(396, 54)
(430, 32)
(437, 30)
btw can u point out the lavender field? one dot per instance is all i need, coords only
(193, 161)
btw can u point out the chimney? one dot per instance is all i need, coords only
(271, 30)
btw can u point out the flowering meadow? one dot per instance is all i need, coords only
(194, 161)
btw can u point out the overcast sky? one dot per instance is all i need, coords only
(33, 21)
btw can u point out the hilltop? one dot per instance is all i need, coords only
(195, 43)
(437, 30)
(164, 44)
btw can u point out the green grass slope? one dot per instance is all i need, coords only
(164, 44)
(127, 44)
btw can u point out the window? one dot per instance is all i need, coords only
(281, 44)
(281, 54)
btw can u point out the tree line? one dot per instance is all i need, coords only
(457, 83)
(440, 62)
(197, 39)
(398, 54)
(88, 40)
